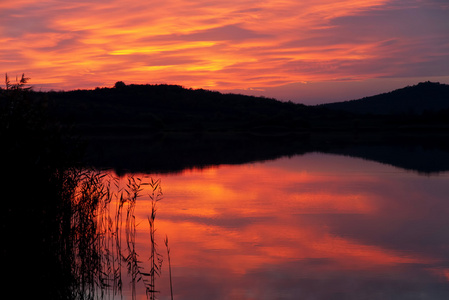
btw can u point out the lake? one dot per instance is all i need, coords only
(312, 226)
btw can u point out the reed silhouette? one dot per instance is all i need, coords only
(169, 265)
(155, 257)
(103, 237)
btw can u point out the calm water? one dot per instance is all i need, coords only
(315, 226)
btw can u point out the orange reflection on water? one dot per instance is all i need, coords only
(239, 220)
(250, 210)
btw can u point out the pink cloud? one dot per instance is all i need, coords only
(222, 45)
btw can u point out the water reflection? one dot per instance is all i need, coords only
(314, 226)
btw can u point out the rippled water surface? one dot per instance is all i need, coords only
(315, 226)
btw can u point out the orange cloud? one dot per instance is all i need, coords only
(219, 45)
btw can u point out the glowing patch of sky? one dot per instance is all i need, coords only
(245, 46)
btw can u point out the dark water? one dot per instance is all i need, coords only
(315, 226)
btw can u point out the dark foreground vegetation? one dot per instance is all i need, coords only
(37, 186)
(67, 231)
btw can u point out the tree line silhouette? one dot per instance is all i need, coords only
(141, 109)
(168, 127)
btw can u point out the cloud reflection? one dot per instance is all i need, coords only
(314, 225)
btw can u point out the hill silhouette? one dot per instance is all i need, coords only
(139, 110)
(172, 108)
(411, 100)
(168, 127)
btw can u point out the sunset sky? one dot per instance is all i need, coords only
(304, 51)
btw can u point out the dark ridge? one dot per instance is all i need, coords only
(169, 107)
(411, 100)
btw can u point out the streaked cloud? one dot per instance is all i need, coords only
(232, 45)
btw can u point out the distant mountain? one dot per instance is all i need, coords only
(411, 100)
